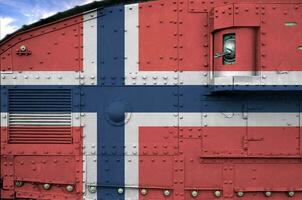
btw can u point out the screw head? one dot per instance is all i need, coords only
(19, 183)
(291, 194)
(268, 194)
(144, 192)
(240, 194)
(194, 193)
(92, 189)
(46, 186)
(69, 188)
(217, 193)
(167, 193)
(120, 190)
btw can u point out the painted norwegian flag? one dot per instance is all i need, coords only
(142, 124)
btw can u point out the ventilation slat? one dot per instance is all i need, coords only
(39, 116)
(56, 137)
(24, 129)
(39, 142)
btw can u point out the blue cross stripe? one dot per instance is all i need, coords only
(112, 96)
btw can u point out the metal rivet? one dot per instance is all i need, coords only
(268, 194)
(69, 188)
(144, 192)
(92, 189)
(194, 193)
(217, 193)
(167, 193)
(120, 190)
(23, 48)
(240, 194)
(19, 183)
(46, 186)
(291, 194)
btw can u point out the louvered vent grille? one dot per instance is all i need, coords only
(40, 116)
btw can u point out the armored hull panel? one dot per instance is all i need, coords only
(154, 100)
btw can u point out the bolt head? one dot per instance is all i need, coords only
(240, 194)
(194, 193)
(69, 188)
(92, 189)
(120, 190)
(144, 192)
(167, 193)
(217, 193)
(46, 186)
(291, 194)
(19, 183)
(268, 194)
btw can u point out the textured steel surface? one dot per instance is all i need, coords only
(119, 101)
